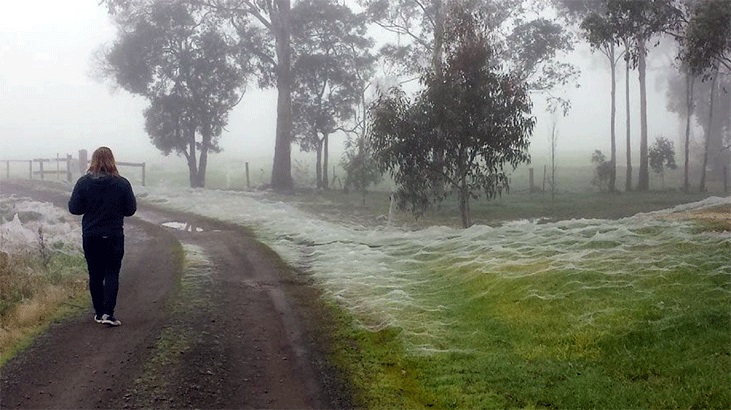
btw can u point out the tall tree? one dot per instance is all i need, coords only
(689, 85)
(706, 50)
(689, 97)
(332, 61)
(706, 42)
(173, 54)
(628, 119)
(527, 44)
(553, 139)
(640, 21)
(483, 115)
(419, 24)
(592, 16)
(599, 34)
(265, 27)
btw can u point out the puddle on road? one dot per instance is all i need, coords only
(183, 226)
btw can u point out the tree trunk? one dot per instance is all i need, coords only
(628, 177)
(318, 164)
(643, 182)
(613, 136)
(709, 131)
(436, 65)
(464, 207)
(282, 168)
(192, 166)
(553, 172)
(325, 179)
(437, 52)
(689, 82)
(203, 162)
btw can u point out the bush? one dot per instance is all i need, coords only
(602, 171)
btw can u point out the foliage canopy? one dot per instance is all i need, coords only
(175, 55)
(331, 65)
(460, 132)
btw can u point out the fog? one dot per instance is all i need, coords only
(50, 102)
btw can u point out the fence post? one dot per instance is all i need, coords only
(40, 164)
(30, 169)
(143, 174)
(544, 178)
(68, 168)
(248, 185)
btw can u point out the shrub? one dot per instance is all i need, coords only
(602, 171)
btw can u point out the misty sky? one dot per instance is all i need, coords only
(50, 102)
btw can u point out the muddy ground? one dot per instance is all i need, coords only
(235, 329)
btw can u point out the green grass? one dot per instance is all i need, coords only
(634, 325)
(563, 339)
(663, 342)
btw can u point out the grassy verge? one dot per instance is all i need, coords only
(36, 290)
(612, 334)
(561, 339)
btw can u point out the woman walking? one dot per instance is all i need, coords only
(104, 198)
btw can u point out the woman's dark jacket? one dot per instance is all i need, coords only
(104, 200)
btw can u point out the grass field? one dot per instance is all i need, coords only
(609, 317)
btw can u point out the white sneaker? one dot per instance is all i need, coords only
(110, 320)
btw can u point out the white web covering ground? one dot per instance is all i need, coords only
(20, 221)
(391, 277)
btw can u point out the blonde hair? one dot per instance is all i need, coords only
(102, 162)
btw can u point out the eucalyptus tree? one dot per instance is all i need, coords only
(707, 36)
(591, 18)
(640, 21)
(524, 42)
(174, 54)
(685, 110)
(331, 63)
(689, 97)
(706, 51)
(264, 28)
(478, 117)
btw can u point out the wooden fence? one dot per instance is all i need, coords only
(71, 166)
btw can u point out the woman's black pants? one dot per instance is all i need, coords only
(104, 260)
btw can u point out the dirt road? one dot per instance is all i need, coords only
(211, 319)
